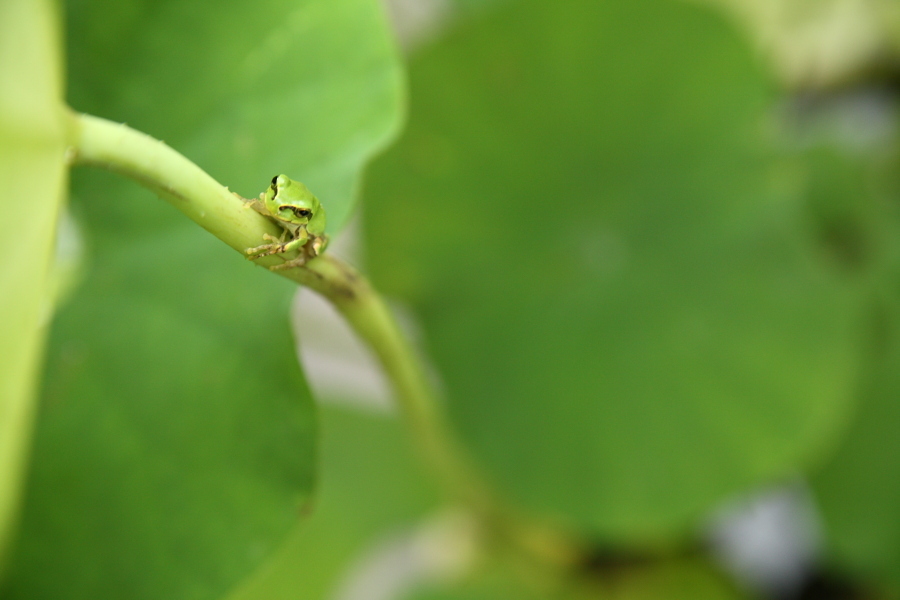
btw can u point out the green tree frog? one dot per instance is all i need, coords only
(298, 211)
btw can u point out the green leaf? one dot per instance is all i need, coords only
(174, 448)
(175, 445)
(371, 487)
(633, 305)
(32, 177)
(858, 490)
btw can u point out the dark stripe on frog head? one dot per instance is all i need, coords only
(299, 212)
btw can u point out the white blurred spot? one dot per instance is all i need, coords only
(817, 43)
(857, 121)
(770, 541)
(67, 264)
(417, 22)
(338, 367)
(442, 549)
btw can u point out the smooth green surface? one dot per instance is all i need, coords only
(32, 178)
(635, 309)
(372, 487)
(175, 444)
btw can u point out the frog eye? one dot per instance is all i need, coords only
(303, 213)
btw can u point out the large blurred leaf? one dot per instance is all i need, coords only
(371, 487)
(859, 489)
(175, 446)
(32, 176)
(619, 277)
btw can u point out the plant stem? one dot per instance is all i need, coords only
(153, 164)
(116, 147)
(370, 318)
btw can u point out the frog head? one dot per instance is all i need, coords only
(291, 201)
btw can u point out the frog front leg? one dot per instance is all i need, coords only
(278, 245)
(309, 251)
(265, 249)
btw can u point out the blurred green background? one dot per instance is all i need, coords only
(649, 247)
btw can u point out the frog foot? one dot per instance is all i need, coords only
(276, 247)
(295, 262)
(308, 252)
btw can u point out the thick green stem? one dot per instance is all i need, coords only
(189, 188)
(367, 314)
(116, 147)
